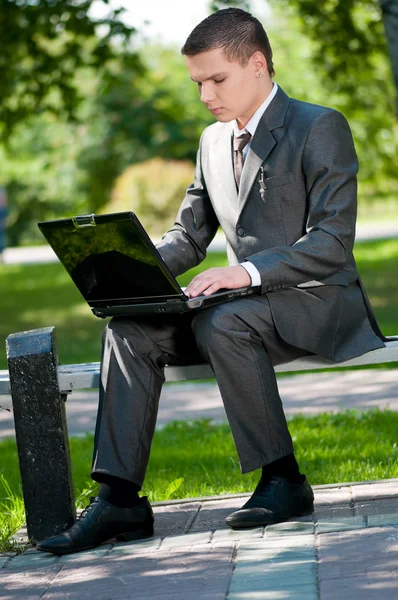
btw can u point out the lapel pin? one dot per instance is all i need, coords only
(263, 187)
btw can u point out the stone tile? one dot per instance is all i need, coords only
(213, 514)
(277, 583)
(331, 512)
(303, 592)
(91, 554)
(26, 585)
(288, 571)
(373, 585)
(289, 528)
(376, 507)
(189, 539)
(343, 569)
(284, 542)
(338, 495)
(382, 520)
(377, 490)
(286, 556)
(40, 560)
(237, 534)
(162, 574)
(175, 519)
(283, 550)
(3, 561)
(186, 595)
(197, 548)
(136, 547)
(344, 524)
(354, 553)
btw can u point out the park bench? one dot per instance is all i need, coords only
(39, 387)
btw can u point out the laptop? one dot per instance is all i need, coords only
(118, 270)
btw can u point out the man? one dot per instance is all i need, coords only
(279, 176)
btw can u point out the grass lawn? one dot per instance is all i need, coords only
(42, 295)
(198, 459)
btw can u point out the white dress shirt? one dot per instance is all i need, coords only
(251, 128)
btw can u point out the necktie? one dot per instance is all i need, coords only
(239, 144)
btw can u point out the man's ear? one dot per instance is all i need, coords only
(259, 63)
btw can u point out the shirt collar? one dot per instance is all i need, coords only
(255, 119)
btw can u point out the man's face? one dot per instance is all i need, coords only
(228, 90)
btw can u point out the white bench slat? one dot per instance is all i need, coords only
(4, 383)
(86, 376)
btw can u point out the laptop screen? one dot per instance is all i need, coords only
(110, 258)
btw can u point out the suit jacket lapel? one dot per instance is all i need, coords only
(262, 143)
(224, 163)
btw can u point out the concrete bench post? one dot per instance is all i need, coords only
(41, 432)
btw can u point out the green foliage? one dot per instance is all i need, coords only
(154, 190)
(136, 117)
(339, 59)
(220, 4)
(43, 178)
(43, 44)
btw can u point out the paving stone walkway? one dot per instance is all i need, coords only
(348, 549)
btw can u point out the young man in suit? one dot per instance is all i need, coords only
(279, 176)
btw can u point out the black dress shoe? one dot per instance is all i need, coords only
(273, 502)
(99, 522)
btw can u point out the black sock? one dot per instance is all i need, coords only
(286, 467)
(120, 492)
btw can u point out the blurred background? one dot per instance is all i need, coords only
(98, 114)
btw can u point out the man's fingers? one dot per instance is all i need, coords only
(203, 287)
(212, 289)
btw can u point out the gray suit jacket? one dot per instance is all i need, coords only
(298, 228)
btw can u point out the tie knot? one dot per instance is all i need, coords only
(241, 141)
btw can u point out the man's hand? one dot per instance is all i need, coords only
(210, 281)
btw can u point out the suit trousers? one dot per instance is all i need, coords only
(238, 339)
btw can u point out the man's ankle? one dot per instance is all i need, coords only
(119, 492)
(285, 467)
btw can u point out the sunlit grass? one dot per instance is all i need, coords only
(198, 458)
(12, 516)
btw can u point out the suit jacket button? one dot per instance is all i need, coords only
(240, 232)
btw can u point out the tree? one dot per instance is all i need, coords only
(349, 34)
(43, 44)
(390, 16)
(136, 118)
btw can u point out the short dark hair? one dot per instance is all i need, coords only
(234, 30)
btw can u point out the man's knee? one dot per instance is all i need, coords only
(211, 325)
